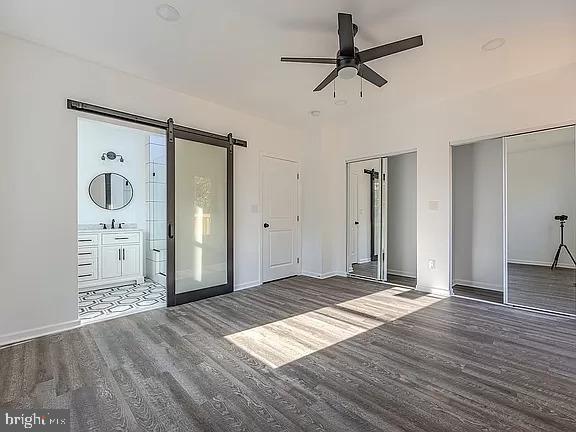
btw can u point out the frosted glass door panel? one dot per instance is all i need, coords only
(200, 216)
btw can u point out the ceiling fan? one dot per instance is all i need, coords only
(350, 61)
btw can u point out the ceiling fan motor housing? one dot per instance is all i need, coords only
(343, 62)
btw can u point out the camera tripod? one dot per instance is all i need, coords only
(562, 220)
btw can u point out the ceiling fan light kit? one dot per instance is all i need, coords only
(350, 61)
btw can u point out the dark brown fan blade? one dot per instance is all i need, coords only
(389, 49)
(370, 75)
(331, 77)
(308, 60)
(346, 34)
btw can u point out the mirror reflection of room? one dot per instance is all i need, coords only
(541, 213)
(364, 217)
(381, 227)
(121, 219)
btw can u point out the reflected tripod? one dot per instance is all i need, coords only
(562, 219)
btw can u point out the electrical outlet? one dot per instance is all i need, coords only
(432, 264)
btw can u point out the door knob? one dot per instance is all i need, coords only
(356, 223)
(266, 225)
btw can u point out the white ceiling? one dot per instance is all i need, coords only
(228, 51)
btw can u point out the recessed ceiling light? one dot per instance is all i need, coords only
(315, 113)
(167, 12)
(340, 102)
(493, 44)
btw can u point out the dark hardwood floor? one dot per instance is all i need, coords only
(370, 269)
(304, 354)
(542, 288)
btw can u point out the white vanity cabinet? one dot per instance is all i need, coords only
(111, 262)
(109, 258)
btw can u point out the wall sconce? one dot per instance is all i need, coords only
(112, 156)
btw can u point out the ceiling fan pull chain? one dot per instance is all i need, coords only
(361, 93)
(334, 88)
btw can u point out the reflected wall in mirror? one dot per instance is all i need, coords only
(111, 191)
(541, 185)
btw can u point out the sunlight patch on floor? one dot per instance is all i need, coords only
(281, 342)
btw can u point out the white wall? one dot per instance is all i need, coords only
(522, 104)
(95, 138)
(541, 184)
(478, 211)
(402, 210)
(39, 222)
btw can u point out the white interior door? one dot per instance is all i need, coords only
(280, 240)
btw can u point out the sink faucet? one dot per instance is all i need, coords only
(113, 222)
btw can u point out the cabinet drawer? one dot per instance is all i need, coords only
(87, 271)
(87, 240)
(87, 253)
(120, 238)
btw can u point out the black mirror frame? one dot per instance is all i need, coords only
(104, 208)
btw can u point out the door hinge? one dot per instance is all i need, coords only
(297, 176)
(297, 260)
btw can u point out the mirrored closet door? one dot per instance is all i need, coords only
(540, 218)
(381, 219)
(365, 238)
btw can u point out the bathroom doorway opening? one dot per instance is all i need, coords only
(122, 218)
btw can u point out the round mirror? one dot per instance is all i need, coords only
(110, 191)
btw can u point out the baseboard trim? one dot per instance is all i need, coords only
(16, 337)
(246, 285)
(323, 275)
(479, 285)
(440, 292)
(364, 260)
(540, 264)
(402, 273)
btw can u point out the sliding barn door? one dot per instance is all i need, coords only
(199, 217)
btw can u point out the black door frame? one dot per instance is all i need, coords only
(174, 131)
(175, 299)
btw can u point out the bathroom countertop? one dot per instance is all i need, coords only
(98, 228)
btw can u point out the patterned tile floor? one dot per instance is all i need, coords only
(124, 300)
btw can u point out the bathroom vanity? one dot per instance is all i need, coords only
(109, 257)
